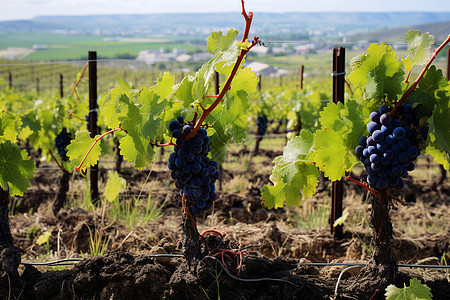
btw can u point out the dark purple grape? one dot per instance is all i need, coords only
(375, 117)
(187, 129)
(362, 141)
(383, 109)
(378, 136)
(372, 126)
(399, 133)
(174, 125)
(385, 119)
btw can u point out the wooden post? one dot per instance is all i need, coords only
(337, 189)
(217, 92)
(302, 69)
(37, 85)
(61, 85)
(93, 119)
(10, 79)
(259, 82)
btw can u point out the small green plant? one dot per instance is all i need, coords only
(310, 215)
(133, 213)
(43, 239)
(33, 232)
(97, 243)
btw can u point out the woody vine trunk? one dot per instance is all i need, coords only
(9, 255)
(381, 269)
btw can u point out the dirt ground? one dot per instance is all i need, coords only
(265, 248)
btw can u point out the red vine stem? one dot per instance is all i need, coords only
(363, 184)
(79, 80)
(57, 162)
(206, 111)
(95, 142)
(167, 144)
(416, 82)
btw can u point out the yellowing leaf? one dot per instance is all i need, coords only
(43, 238)
(341, 219)
(113, 186)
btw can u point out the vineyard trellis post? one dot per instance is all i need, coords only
(37, 86)
(337, 189)
(302, 70)
(217, 91)
(92, 57)
(61, 86)
(10, 80)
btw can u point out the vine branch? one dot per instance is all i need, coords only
(206, 111)
(416, 82)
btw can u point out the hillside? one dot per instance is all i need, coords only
(440, 30)
(203, 23)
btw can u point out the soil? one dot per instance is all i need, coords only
(264, 249)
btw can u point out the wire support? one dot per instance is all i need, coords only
(72, 261)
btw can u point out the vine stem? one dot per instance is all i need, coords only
(79, 80)
(363, 184)
(206, 111)
(95, 142)
(416, 82)
(57, 162)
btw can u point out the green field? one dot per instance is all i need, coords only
(70, 47)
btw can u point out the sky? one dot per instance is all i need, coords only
(26, 9)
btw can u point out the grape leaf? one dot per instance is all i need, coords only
(294, 176)
(415, 291)
(341, 128)
(378, 73)
(80, 146)
(113, 186)
(15, 168)
(419, 46)
(9, 126)
(438, 143)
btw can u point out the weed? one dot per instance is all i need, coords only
(133, 213)
(97, 243)
(33, 232)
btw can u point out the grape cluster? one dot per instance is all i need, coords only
(62, 140)
(262, 125)
(193, 171)
(388, 153)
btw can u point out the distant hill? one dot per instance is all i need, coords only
(203, 23)
(440, 30)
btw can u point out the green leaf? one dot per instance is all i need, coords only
(151, 111)
(415, 291)
(419, 46)
(80, 146)
(15, 168)
(378, 73)
(113, 186)
(293, 175)
(9, 126)
(341, 128)
(438, 143)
